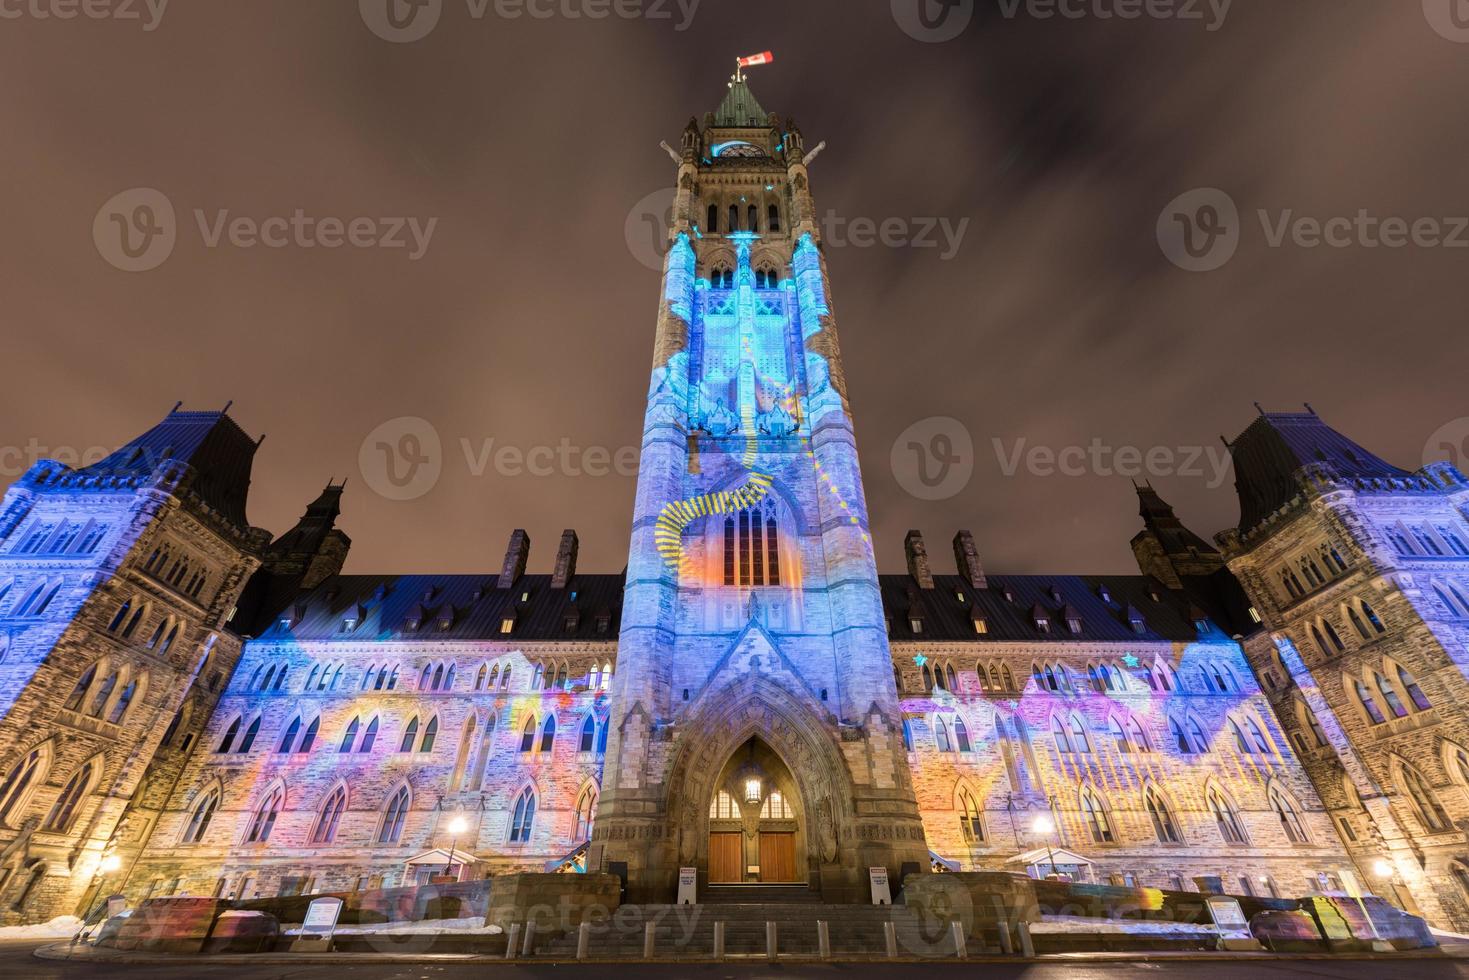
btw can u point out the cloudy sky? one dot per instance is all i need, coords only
(1055, 320)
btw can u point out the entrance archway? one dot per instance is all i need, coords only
(757, 826)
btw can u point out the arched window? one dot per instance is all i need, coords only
(724, 807)
(548, 734)
(607, 667)
(1225, 817)
(1139, 735)
(961, 736)
(248, 742)
(199, 821)
(1290, 820)
(588, 734)
(229, 737)
(1415, 693)
(369, 737)
(1120, 740)
(1164, 826)
(752, 216)
(586, 811)
(462, 776)
(1357, 623)
(430, 734)
(776, 807)
(1094, 812)
(1389, 695)
(309, 739)
(1058, 731)
(907, 735)
(265, 816)
(62, 812)
(734, 217)
(528, 736)
(524, 816)
(713, 226)
(773, 217)
(119, 708)
(79, 693)
(1372, 616)
(941, 734)
(349, 738)
(1366, 702)
(971, 818)
(1425, 802)
(1079, 741)
(602, 737)
(1308, 721)
(288, 740)
(410, 735)
(330, 816)
(394, 816)
(100, 696)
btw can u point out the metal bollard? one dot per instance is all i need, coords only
(527, 948)
(772, 942)
(1007, 943)
(719, 940)
(890, 931)
(512, 941)
(1027, 945)
(961, 945)
(583, 940)
(650, 939)
(823, 939)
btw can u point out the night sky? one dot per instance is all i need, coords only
(529, 319)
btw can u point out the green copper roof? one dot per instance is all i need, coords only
(740, 109)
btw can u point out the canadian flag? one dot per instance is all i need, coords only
(757, 59)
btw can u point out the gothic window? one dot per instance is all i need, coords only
(1164, 826)
(528, 736)
(79, 693)
(588, 734)
(1366, 702)
(1415, 693)
(1331, 635)
(1139, 736)
(461, 778)
(38, 601)
(104, 691)
(117, 620)
(1357, 623)
(1094, 812)
(1389, 695)
(288, 740)
(752, 217)
(229, 737)
(524, 817)
(941, 735)
(1429, 810)
(18, 783)
(430, 733)
(961, 736)
(1058, 731)
(330, 817)
(1372, 616)
(410, 735)
(369, 737)
(1225, 817)
(602, 737)
(349, 738)
(538, 677)
(724, 807)
(713, 225)
(119, 708)
(776, 807)
(199, 820)
(907, 735)
(1290, 820)
(248, 742)
(1079, 742)
(586, 811)
(773, 217)
(479, 677)
(265, 817)
(1120, 740)
(971, 819)
(734, 217)
(548, 734)
(60, 817)
(394, 816)
(752, 548)
(309, 739)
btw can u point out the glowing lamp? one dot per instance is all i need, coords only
(1043, 825)
(458, 826)
(109, 864)
(752, 789)
(1381, 869)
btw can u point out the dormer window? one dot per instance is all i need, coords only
(1202, 625)
(1043, 624)
(959, 594)
(915, 623)
(572, 620)
(285, 622)
(446, 621)
(604, 622)
(1074, 625)
(349, 623)
(1008, 593)
(1254, 614)
(1104, 593)
(507, 625)
(981, 625)
(525, 597)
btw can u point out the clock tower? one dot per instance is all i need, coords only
(755, 727)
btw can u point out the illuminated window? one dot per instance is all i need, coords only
(199, 820)
(776, 807)
(524, 817)
(1425, 802)
(1225, 818)
(586, 810)
(971, 819)
(1094, 812)
(1164, 825)
(1290, 820)
(752, 548)
(62, 812)
(330, 817)
(265, 817)
(724, 807)
(394, 817)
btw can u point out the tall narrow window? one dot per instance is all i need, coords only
(62, 812)
(430, 734)
(349, 738)
(523, 817)
(248, 742)
(1364, 698)
(79, 693)
(410, 735)
(229, 736)
(1389, 695)
(394, 817)
(773, 217)
(199, 820)
(586, 810)
(1415, 693)
(1225, 818)
(729, 551)
(772, 545)
(309, 739)
(971, 820)
(961, 736)
(1095, 814)
(369, 737)
(104, 691)
(1430, 811)
(713, 226)
(16, 784)
(1290, 820)
(745, 548)
(528, 736)
(588, 734)
(548, 734)
(331, 816)
(288, 739)
(265, 817)
(1164, 825)
(757, 548)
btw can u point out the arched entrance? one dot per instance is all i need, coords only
(756, 821)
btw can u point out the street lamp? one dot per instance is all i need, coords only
(1044, 826)
(457, 826)
(109, 864)
(1381, 869)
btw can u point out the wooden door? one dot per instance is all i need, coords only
(778, 857)
(726, 858)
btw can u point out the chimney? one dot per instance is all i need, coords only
(966, 555)
(516, 557)
(565, 560)
(918, 560)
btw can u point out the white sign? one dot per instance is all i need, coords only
(318, 926)
(881, 894)
(688, 885)
(1234, 928)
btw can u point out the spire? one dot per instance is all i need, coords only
(740, 109)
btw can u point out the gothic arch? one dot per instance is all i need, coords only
(779, 489)
(745, 707)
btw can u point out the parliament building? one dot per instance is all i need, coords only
(192, 705)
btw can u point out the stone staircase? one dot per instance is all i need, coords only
(688, 931)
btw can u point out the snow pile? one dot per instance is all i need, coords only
(473, 926)
(61, 927)
(1076, 925)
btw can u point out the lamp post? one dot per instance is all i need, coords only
(1045, 827)
(457, 826)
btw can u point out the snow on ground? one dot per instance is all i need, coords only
(473, 926)
(61, 927)
(1073, 924)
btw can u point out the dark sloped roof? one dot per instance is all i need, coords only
(740, 109)
(1268, 454)
(1221, 596)
(946, 618)
(1159, 518)
(478, 608)
(219, 451)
